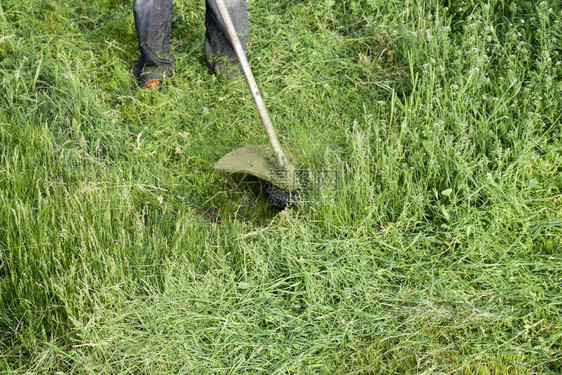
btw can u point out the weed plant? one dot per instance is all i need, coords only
(430, 137)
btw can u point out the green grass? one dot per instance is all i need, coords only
(430, 240)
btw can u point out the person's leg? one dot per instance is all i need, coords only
(220, 54)
(153, 22)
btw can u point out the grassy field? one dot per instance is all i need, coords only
(430, 239)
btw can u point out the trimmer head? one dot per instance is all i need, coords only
(281, 199)
(259, 161)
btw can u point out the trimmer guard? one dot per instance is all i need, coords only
(258, 161)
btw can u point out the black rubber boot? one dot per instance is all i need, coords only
(153, 22)
(221, 57)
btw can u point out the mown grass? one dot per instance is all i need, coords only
(431, 234)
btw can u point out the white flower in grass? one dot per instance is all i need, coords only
(428, 35)
(474, 70)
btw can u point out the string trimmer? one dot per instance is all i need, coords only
(267, 163)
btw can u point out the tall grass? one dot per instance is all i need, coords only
(430, 236)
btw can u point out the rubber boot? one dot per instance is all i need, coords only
(220, 54)
(153, 22)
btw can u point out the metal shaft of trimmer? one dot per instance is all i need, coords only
(279, 155)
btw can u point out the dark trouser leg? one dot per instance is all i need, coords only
(220, 53)
(153, 22)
